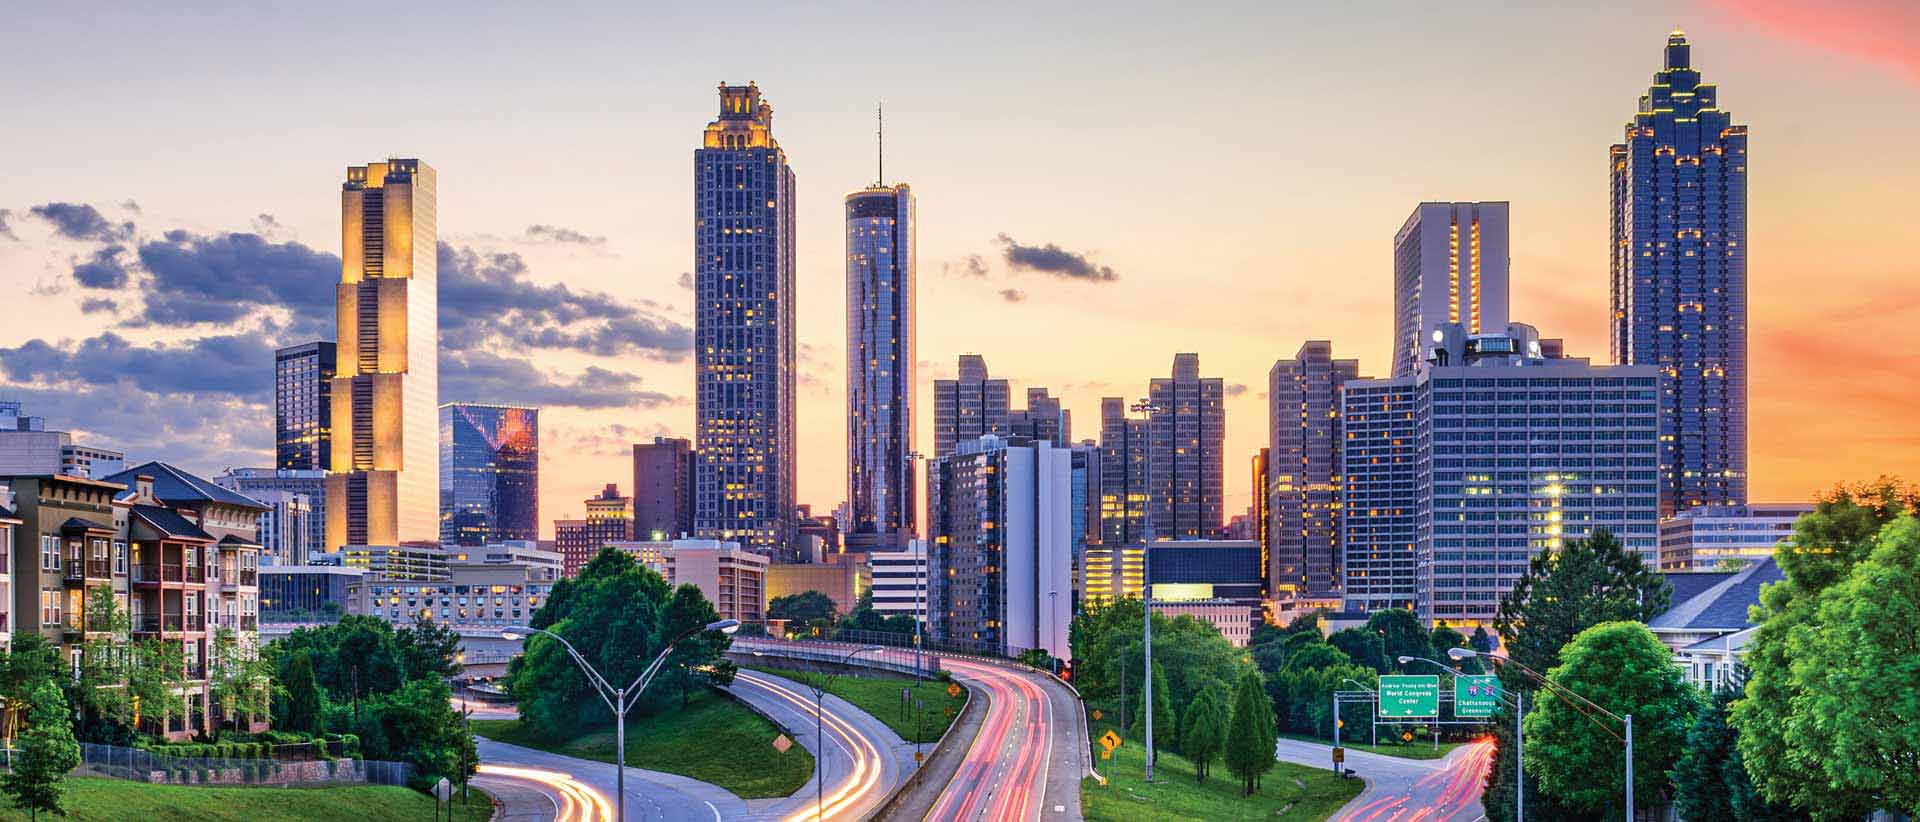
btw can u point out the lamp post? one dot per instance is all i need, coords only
(620, 699)
(1625, 720)
(1519, 740)
(1146, 408)
(920, 582)
(820, 725)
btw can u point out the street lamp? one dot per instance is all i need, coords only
(620, 699)
(1146, 408)
(919, 577)
(1519, 739)
(1625, 720)
(819, 727)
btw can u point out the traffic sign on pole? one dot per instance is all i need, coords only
(1409, 696)
(1475, 696)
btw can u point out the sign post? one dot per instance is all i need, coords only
(1410, 697)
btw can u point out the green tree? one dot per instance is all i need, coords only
(1622, 667)
(1364, 647)
(1481, 640)
(687, 610)
(1788, 732)
(1165, 731)
(303, 703)
(420, 725)
(1402, 634)
(805, 606)
(1446, 639)
(31, 661)
(157, 680)
(97, 685)
(1203, 732)
(1249, 744)
(427, 649)
(1710, 783)
(47, 752)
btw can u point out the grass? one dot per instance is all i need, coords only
(1287, 792)
(1419, 748)
(880, 696)
(91, 799)
(714, 739)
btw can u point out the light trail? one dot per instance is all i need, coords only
(577, 801)
(866, 756)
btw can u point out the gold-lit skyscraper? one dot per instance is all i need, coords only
(385, 485)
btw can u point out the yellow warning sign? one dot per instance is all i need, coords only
(1096, 714)
(1110, 740)
(781, 743)
(1106, 754)
(953, 690)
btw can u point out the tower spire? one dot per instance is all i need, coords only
(880, 141)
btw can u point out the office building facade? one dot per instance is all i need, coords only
(1678, 297)
(1186, 452)
(1123, 475)
(489, 473)
(663, 489)
(998, 523)
(1042, 419)
(744, 347)
(265, 483)
(1304, 478)
(899, 580)
(609, 519)
(385, 485)
(1718, 537)
(1450, 265)
(880, 360)
(303, 406)
(971, 405)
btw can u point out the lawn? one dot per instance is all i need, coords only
(89, 798)
(880, 696)
(1419, 748)
(1287, 792)
(714, 740)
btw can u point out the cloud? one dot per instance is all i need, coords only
(104, 270)
(224, 279)
(1054, 260)
(1013, 295)
(487, 297)
(478, 376)
(94, 305)
(203, 434)
(131, 205)
(1869, 29)
(237, 366)
(686, 280)
(973, 265)
(79, 221)
(6, 224)
(557, 234)
(1236, 389)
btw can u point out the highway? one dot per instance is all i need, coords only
(588, 787)
(864, 759)
(1406, 790)
(1026, 761)
(538, 795)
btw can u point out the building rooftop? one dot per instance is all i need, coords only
(169, 524)
(174, 485)
(1721, 605)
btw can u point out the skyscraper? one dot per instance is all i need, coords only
(969, 406)
(999, 518)
(1123, 475)
(489, 473)
(1679, 270)
(1186, 442)
(663, 489)
(1042, 419)
(303, 407)
(1449, 266)
(1303, 485)
(609, 519)
(385, 485)
(880, 360)
(744, 327)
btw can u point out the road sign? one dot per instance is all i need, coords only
(1096, 714)
(918, 756)
(1406, 736)
(953, 690)
(781, 743)
(1110, 740)
(1106, 754)
(1409, 696)
(1339, 755)
(1475, 695)
(442, 791)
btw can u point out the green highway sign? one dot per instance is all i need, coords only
(1409, 696)
(1475, 696)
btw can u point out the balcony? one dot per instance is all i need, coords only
(250, 579)
(156, 574)
(248, 622)
(159, 623)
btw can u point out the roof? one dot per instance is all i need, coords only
(78, 524)
(231, 541)
(1724, 642)
(174, 485)
(1690, 584)
(1720, 606)
(7, 515)
(168, 523)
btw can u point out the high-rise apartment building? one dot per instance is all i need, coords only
(1450, 265)
(1304, 473)
(969, 406)
(998, 520)
(303, 407)
(1042, 419)
(1488, 455)
(1123, 475)
(880, 360)
(1186, 452)
(663, 489)
(489, 473)
(385, 485)
(744, 327)
(609, 519)
(1679, 271)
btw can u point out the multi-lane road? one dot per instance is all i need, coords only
(1405, 790)
(863, 760)
(1026, 761)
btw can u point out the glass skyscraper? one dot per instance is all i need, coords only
(744, 328)
(1679, 276)
(880, 359)
(303, 407)
(489, 473)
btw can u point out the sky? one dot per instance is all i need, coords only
(1223, 180)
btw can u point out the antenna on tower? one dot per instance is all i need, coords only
(880, 139)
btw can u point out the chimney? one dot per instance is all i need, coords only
(6, 495)
(143, 487)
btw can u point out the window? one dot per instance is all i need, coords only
(49, 552)
(119, 558)
(50, 613)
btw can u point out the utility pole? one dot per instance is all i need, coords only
(1146, 408)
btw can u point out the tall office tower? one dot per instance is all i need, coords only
(1042, 419)
(743, 328)
(1303, 485)
(609, 519)
(1123, 475)
(269, 484)
(385, 485)
(303, 407)
(489, 473)
(999, 519)
(880, 361)
(968, 407)
(1488, 455)
(1186, 444)
(663, 489)
(1679, 292)
(1449, 266)
(1260, 519)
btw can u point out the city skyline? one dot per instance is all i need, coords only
(1074, 281)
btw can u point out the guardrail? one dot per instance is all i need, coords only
(890, 659)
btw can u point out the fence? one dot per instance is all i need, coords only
(146, 766)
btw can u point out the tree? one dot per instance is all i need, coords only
(1402, 634)
(1362, 646)
(32, 660)
(1203, 732)
(1481, 640)
(157, 680)
(97, 686)
(430, 734)
(1788, 732)
(805, 606)
(1710, 783)
(1249, 743)
(303, 703)
(47, 752)
(1622, 667)
(687, 610)
(1163, 717)
(427, 649)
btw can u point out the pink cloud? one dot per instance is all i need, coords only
(1880, 31)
